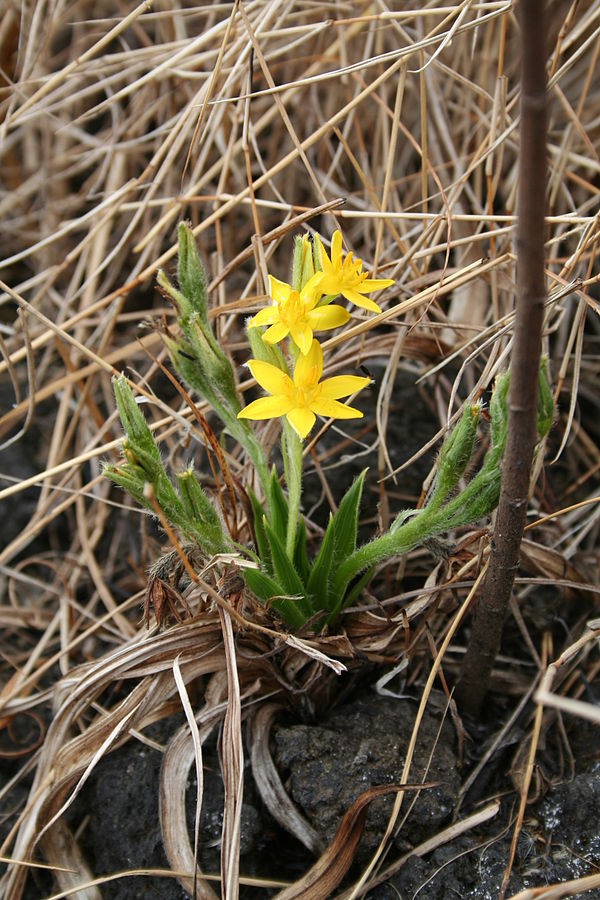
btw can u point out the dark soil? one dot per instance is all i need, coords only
(328, 763)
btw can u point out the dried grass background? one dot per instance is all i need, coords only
(254, 120)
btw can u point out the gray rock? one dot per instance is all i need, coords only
(361, 745)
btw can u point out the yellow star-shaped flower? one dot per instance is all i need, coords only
(296, 313)
(304, 397)
(346, 277)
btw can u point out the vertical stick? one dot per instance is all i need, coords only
(522, 400)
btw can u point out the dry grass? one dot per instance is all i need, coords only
(113, 127)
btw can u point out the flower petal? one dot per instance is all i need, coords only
(266, 316)
(333, 409)
(270, 378)
(325, 261)
(266, 408)
(336, 247)
(332, 283)
(342, 386)
(324, 317)
(309, 368)
(279, 290)
(311, 292)
(302, 420)
(374, 284)
(358, 299)
(276, 333)
(302, 334)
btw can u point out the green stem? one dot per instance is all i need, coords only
(292, 460)
(392, 543)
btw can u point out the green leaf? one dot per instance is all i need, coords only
(345, 521)
(260, 535)
(318, 580)
(345, 600)
(267, 590)
(285, 572)
(278, 506)
(300, 558)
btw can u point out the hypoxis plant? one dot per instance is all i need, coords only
(288, 365)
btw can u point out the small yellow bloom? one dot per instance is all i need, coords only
(296, 313)
(346, 277)
(304, 396)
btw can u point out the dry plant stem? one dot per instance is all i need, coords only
(522, 401)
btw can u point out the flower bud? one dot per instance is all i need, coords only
(191, 273)
(302, 267)
(195, 502)
(211, 359)
(499, 413)
(456, 452)
(182, 305)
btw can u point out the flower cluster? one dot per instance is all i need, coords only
(296, 312)
(305, 591)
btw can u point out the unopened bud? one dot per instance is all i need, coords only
(456, 452)
(190, 272)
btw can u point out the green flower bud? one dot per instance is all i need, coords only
(456, 453)
(302, 266)
(211, 359)
(182, 304)
(499, 414)
(195, 502)
(262, 350)
(134, 424)
(191, 273)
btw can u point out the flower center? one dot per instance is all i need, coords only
(292, 309)
(306, 395)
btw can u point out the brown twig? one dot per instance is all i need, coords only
(522, 401)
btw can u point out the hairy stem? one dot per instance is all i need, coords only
(292, 458)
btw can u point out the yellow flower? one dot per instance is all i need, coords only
(296, 313)
(304, 396)
(346, 277)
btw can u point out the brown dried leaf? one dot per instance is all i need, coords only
(330, 868)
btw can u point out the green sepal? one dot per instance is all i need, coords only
(268, 591)
(318, 581)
